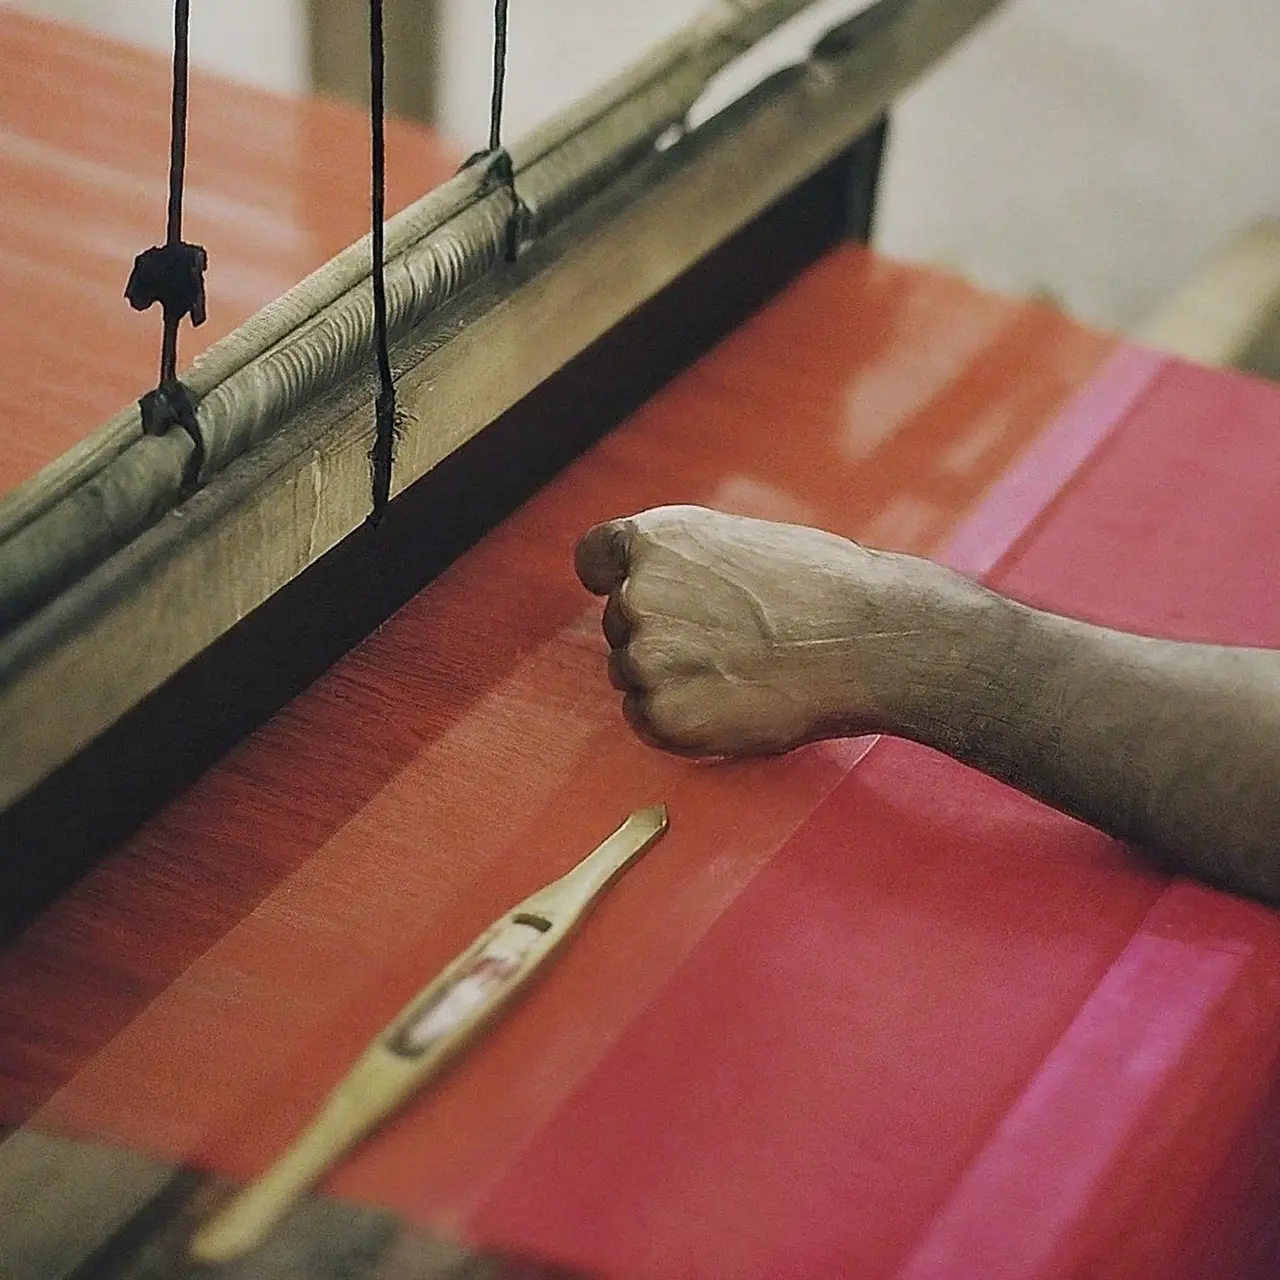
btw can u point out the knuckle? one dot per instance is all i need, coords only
(615, 623)
(674, 717)
(624, 675)
(636, 712)
(649, 658)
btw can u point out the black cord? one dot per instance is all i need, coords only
(499, 73)
(497, 158)
(177, 174)
(382, 454)
(172, 274)
(178, 119)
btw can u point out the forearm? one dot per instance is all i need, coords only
(1175, 747)
(733, 637)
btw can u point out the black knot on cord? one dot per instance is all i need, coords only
(499, 173)
(173, 276)
(169, 405)
(499, 169)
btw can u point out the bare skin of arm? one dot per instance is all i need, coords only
(736, 637)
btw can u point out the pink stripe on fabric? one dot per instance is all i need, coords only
(1035, 1177)
(1015, 502)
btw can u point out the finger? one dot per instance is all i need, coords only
(637, 711)
(623, 672)
(603, 556)
(617, 622)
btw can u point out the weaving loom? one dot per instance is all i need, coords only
(862, 1012)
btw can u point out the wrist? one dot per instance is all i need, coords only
(937, 650)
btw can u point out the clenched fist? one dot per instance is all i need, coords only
(732, 636)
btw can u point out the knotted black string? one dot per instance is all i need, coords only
(382, 455)
(172, 274)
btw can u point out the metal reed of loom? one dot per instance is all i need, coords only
(133, 554)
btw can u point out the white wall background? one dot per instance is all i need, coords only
(1097, 149)
(259, 41)
(1094, 149)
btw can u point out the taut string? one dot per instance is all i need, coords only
(382, 455)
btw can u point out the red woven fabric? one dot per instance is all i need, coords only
(947, 1032)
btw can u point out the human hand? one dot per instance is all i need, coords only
(730, 636)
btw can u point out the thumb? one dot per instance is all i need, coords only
(603, 556)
